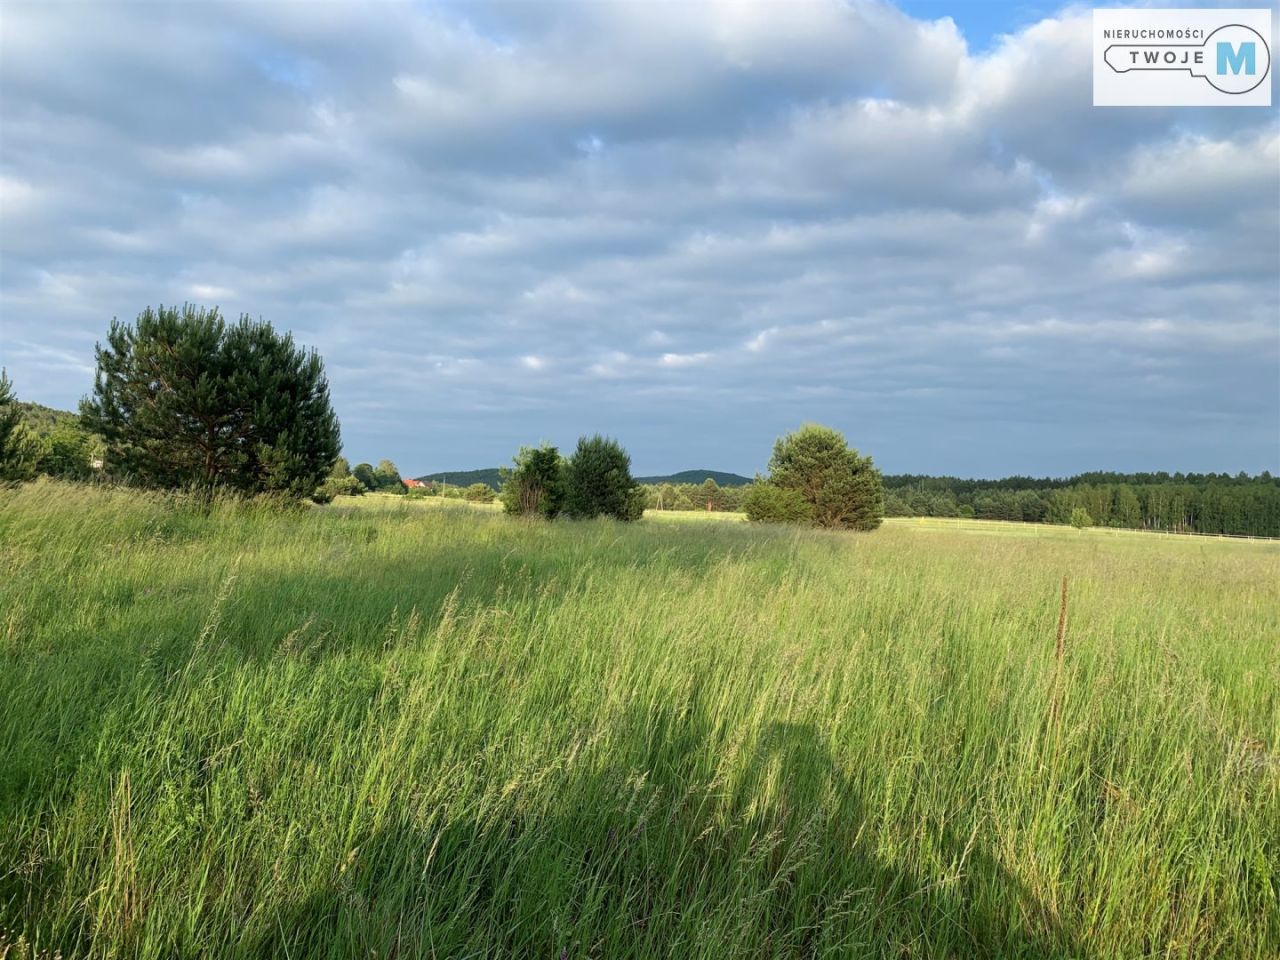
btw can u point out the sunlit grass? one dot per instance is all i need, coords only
(1008, 528)
(389, 501)
(695, 516)
(406, 731)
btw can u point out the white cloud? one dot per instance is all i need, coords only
(210, 293)
(758, 213)
(684, 359)
(757, 343)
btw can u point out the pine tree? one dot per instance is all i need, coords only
(843, 488)
(181, 398)
(598, 481)
(18, 449)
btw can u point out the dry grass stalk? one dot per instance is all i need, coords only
(1059, 649)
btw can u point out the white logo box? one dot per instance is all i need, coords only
(1182, 58)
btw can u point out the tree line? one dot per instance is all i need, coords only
(39, 441)
(182, 398)
(1237, 504)
(1177, 503)
(707, 495)
(814, 478)
(345, 480)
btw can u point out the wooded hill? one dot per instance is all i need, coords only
(698, 476)
(464, 478)
(1238, 504)
(42, 419)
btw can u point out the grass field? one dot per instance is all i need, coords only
(388, 731)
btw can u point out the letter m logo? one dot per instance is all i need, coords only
(1234, 59)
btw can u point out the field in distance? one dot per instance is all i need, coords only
(1002, 528)
(417, 728)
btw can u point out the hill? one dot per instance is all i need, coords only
(464, 478)
(42, 419)
(699, 476)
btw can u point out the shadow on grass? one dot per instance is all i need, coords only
(652, 854)
(643, 850)
(350, 604)
(139, 647)
(91, 701)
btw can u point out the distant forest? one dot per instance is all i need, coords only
(41, 419)
(1179, 502)
(1237, 504)
(493, 477)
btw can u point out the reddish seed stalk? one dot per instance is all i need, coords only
(1058, 650)
(1062, 624)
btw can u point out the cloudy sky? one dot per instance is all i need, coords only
(690, 227)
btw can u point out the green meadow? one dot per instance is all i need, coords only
(402, 729)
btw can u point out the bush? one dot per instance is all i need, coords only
(765, 503)
(479, 493)
(535, 487)
(1080, 518)
(387, 478)
(68, 452)
(347, 486)
(635, 504)
(598, 481)
(843, 488)
(365, 474)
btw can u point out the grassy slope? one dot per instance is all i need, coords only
(420, 732)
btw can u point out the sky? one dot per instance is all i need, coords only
(690, 227)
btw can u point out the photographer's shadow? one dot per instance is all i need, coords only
(966, 904)
(658, 853)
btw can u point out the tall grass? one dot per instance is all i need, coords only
(443, 733)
